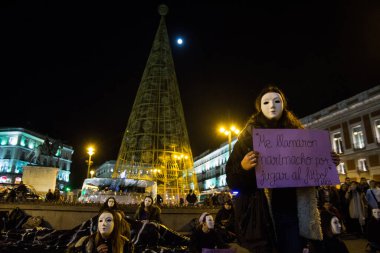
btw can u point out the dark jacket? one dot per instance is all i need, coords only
(191, 198)
(225, 224)
(154, 213)
(373, 230)
(210, 240)
(253, 222)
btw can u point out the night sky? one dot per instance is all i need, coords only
(71, 71)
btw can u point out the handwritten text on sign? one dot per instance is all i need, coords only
(293, 158)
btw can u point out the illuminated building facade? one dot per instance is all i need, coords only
(17, 146)
(354, 127)
(105, 170)
(210, 168)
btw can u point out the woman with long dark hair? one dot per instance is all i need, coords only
(278, 218)
(108, 237)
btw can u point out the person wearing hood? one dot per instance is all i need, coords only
(225, 222)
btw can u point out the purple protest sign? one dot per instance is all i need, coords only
(293, 158)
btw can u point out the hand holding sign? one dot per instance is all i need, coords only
(250, 160)
(294, 158)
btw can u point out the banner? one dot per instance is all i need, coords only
(293, 158)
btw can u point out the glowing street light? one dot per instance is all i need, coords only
(92, 172)
(90, 152)
(229, 133)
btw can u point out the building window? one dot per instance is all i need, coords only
(22, 156)
(13, 140)
(341, 169)
(377, 130)
(7, 155)
(362, 165)
(358, 137)
(337, 143)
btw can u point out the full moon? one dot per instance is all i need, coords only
(179, 41)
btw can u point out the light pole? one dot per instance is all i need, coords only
(90, 152)
(229, 132)
(179, 159)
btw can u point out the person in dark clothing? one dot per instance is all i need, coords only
(205, 236)
(49, 196)
(11, 195)
(344, 203)
(363, 185)
(294, 210)
(57, 195)
(357, 208)
(22, 190)
(225, 222)
(181, 202)
(148, 211)
(331, 229)
(373, 229)
(328, 193)
(191, 198)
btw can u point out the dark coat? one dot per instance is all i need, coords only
(373, 230)
(253, 221)
(210, 240)
(154, 213)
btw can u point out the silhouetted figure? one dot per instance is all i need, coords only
(191, 198)
(49, 196)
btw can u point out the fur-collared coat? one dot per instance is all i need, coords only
(250, 197)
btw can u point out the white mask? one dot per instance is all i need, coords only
(210, 222)
(105, 224)
(336, 227)
(111, 202)
(147, 202)
(272, 105)
(376, 213)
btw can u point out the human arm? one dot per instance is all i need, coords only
(240, 166)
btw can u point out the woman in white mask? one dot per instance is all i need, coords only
(292, 214)
(108, 237)
(204, 236)
(331, 229)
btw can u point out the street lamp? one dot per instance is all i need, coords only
(92, 172)
(90, 152)
(229, 132)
